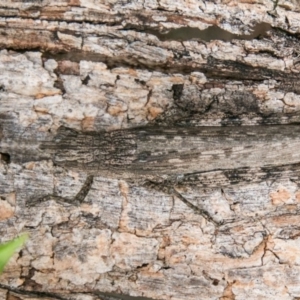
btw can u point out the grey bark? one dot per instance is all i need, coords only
(177, 177)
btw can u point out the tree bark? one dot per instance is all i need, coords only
(178, 175)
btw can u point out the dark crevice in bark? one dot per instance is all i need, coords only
(214, 68)
(211, 33)
(55, 296)
(33, 293)
(5, 157)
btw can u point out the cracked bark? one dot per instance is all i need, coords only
(219, 232)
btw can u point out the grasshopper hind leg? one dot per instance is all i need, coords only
(76, 201)
(168, 187)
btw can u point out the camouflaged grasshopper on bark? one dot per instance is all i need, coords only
(167, 158)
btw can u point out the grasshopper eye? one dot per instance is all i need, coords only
(143, 156)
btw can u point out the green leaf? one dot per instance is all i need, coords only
(8, 249)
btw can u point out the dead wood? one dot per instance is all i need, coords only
(178, 175)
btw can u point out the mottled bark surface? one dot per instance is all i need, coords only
(111, 66)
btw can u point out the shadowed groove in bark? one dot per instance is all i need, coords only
(214, 68)
(56, 296)
(211, 33)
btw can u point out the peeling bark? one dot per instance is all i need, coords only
(161, 216)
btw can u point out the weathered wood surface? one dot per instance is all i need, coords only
(102, 66)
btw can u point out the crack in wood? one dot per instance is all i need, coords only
(211, 33)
